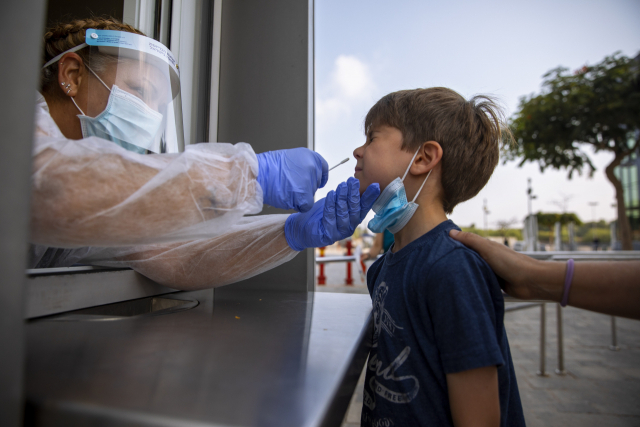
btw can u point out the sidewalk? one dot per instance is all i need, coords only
(601, 387)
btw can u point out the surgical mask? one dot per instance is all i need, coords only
(127, 120)
(392, 210)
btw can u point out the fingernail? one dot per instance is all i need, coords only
(453, 232)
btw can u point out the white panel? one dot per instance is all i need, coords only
(215, 71)
(176, 21)
(130, 12)
(146, 16)
(184, 42)
(140, 14)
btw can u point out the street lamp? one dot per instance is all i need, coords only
(530, 227)
(593, 214)
(486, 214)
(530, 195)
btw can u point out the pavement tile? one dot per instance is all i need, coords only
(631, 373)
(554, 419)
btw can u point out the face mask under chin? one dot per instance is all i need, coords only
(392, 209)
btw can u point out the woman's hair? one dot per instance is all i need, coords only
(64, 36)
(469, 132)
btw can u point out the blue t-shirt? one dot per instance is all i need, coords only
(438, 309)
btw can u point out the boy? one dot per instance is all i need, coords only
(440, 354)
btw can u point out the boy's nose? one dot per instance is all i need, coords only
(357, 153)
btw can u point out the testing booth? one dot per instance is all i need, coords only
(89, 346)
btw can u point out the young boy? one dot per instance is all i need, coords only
(440, 353)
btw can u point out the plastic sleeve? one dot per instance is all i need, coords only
(92, 192)
(251, 246)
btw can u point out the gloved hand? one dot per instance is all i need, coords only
(331, 219)
(290, 178)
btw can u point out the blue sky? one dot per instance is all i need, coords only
(366, 49)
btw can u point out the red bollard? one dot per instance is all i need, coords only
(322, 280)
(349, 280)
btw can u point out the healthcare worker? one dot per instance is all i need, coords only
(112, 187)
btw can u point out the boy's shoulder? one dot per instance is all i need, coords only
(435, 260)
(442, 265)
(441, 253)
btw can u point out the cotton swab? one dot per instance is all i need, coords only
(342, 162)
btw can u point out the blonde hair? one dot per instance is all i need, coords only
(64, 36)
(469, 132)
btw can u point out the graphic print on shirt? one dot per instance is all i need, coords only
(386, 383)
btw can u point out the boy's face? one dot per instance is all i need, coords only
(381, 159)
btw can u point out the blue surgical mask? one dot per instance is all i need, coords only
(392, 209)
(127, 120)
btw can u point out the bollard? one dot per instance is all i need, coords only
(543, 339)
(557, 238)
(560, 341)
(614, 335)
(349, 280)
(322, 279)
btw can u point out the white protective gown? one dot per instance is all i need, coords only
(176, 218)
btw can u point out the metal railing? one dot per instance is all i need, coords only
(564, 256)
(578, 256)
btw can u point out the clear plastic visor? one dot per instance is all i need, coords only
(133, 94)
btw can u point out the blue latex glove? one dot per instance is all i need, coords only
(331, 219)
(290, 178)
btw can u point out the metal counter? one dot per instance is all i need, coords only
(247, 358)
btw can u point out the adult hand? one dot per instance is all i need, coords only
(331, 219)
(365, 256)
(527, 278)
(519, 272)
(290, 178)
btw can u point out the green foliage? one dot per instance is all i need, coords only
(597, 105)
(548, 220)
(583, 233)
(511, 232)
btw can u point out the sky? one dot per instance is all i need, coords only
(366, 49)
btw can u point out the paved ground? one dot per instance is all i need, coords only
(601, 387)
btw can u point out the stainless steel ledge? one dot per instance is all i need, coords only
(52, 291)
(249, 358)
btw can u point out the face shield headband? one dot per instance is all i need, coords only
(127, 119)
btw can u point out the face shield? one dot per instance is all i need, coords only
(133, 92)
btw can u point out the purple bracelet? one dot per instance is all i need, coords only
(567, 283)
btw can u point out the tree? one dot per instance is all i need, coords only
(563, 202)
(506, 224)
(597, 106)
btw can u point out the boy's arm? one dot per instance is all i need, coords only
(473, 397)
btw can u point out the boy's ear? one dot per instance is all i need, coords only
(428, 158)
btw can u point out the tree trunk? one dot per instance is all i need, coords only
(624, 227)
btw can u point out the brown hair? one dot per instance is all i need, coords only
(469, 132)
(64, 36)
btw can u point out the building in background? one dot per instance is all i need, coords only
(629, 175)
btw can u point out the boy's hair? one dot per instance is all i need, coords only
(469, 132)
